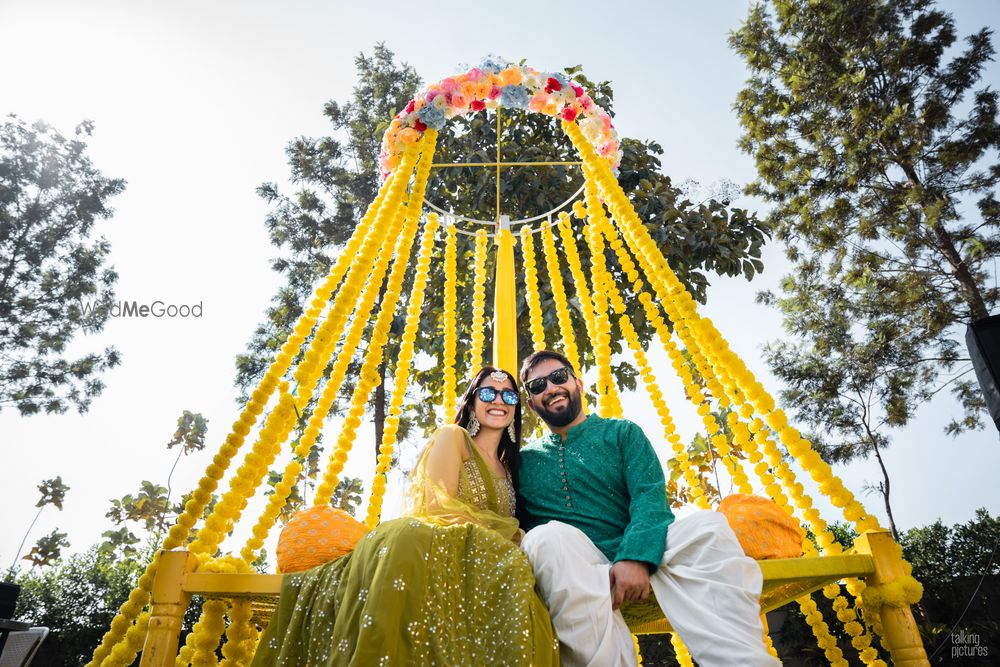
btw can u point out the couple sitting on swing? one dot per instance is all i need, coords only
(457, 581)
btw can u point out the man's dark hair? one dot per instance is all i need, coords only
(538, 357)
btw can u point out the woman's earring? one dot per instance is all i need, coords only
(511, 433)
(473, 427)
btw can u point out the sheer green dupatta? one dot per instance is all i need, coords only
(429, 588)
(428, 500)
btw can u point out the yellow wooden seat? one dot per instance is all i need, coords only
(785, 580)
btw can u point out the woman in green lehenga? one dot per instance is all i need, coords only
(445, 584)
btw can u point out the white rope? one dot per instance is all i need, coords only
(451, 218)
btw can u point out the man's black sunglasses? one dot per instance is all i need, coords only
(558, 376)
(509, 396)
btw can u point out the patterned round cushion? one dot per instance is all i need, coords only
(763, 529)
(315, 536)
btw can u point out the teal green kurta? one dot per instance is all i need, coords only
(605, 479)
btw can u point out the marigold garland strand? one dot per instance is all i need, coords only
(770, 647)
(478, 304)
(402, 377)
(562, 305)
(276, 502)
(248, 476)
(717, 439)
(693, 391)
(449, 322)
(207, 633)
(309, 370)
(572, 254)
(217, 523)
(369, 376)
(241, 635)
(694, 482)
(860, 640)
(600, 329)
(532, 295)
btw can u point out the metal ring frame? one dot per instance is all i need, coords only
(450, 217)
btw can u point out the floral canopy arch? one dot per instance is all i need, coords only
(363, 292)
(497, 83)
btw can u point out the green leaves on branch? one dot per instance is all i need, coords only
(878, 154)
(53, 492)
(47, 550)
(190, 433)
(54, 280)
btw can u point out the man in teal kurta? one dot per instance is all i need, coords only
(601, 532)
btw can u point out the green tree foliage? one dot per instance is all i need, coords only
(120, 542)
(957, 565)
(148, 507)
(53, 492)
(76, 600)
(348, 494)
(190, 435)
(879, 156)
(336, 177)
(47, 550)
(54, 281)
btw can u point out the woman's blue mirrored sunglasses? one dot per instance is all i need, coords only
(509, 396)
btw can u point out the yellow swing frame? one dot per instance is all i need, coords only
(874, 557)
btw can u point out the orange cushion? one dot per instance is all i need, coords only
(763, 529)
(315, 536)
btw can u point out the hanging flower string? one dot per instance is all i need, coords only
(562, 303)
(354, 336)
(283, 488)
(369, 376)
(532, 295)
(605, 296)
(572, 255)
(495, 83)
(450, 323)
(478, 303)
(404, 359)
(241, 635)
(696, 486)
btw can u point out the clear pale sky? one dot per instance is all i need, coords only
(194, 104)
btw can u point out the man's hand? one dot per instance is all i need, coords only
(629, 581)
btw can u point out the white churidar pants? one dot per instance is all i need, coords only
(708, 589)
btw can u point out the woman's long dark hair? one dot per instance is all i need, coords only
(509, 451)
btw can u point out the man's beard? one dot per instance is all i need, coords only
(562, 416)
